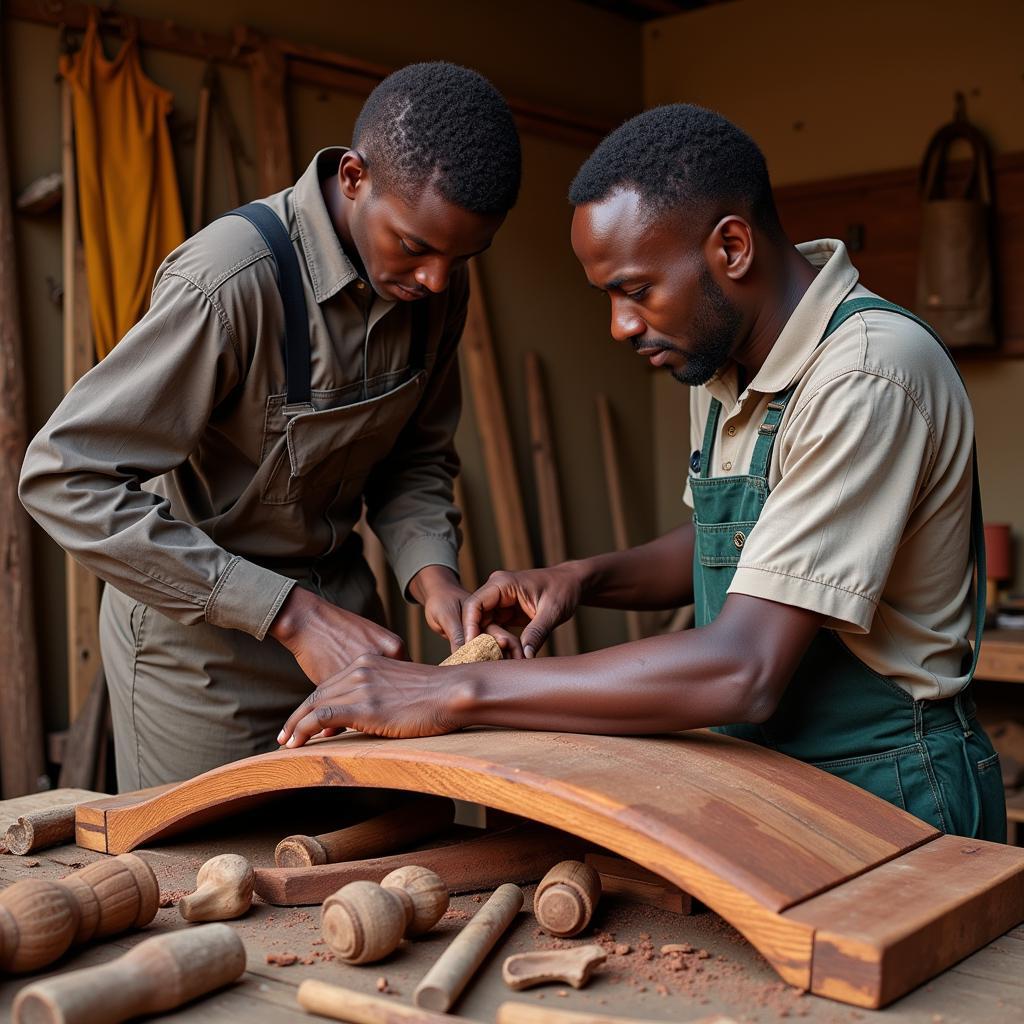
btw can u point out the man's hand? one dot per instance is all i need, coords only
(539, 599)
(326, 639)
(438, 589)
(380, 697)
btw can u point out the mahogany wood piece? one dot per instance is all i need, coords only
(572, 966)
(40, 921)
(566, 897)
(887, 931)
(477, 349)
(360, 1008)
(672, 804)
(565, 639)
(157, 975)
(21, 713)
(405, 825)
(444, 982)
(620, 877)
(616, 499)
(519, 854)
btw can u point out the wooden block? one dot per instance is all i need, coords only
(884, 933)
(43, 828)
(624, 878)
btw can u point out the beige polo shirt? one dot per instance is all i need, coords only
(148, 471)
(868, 516)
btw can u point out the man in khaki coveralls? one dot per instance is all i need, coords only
(183, 472)
(836, 511)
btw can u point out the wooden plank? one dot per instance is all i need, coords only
(616, 501)
(621, 877)
(492, 422)
(884, 209)
(887, 931)
(22, 768)
(565, 639)
(805, 831)
(267, 76)
(467, 560)
(202, 147)
(373, 551)
(82, 589)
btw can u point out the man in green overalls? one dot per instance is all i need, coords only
(836, 516)
(299, 358)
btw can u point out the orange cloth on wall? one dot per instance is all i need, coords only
(129, 206)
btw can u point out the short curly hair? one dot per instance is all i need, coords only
(444, 125)
(676, 155)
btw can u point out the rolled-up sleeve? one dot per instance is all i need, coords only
(832, 526)
(409, 496)
(136, 415)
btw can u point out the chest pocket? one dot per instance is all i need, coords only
(322, 455)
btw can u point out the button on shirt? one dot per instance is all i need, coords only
(145, 471)
(869, 511)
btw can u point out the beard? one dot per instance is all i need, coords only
(715, 329)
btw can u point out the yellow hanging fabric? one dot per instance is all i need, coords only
(129, 205)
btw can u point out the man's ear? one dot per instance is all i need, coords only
(353, 174)
(730, 247)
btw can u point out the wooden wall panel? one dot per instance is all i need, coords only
(884, 209)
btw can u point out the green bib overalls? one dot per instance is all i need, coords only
(928, 757)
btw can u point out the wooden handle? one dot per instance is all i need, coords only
(418, 819)
(157, 975)
(566, 897)
(448, 977)
(40, 920)
(360, 1008)
(530, 1013)
(40, 829)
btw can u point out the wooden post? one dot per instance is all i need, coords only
(202, 145)
(467, 560)
(81, 587)
(613, 480)
(549, 503)
(21, 725)
(268, 73)
(492, 422)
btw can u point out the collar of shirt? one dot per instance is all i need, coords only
(799, 338)
(330, 269)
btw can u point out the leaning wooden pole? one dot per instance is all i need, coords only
(21, 717)
(565, 639)
(81, 587)
(616, 501)
(495, 437)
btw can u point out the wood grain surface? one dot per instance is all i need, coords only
(746, 830)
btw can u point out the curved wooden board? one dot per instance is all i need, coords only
(746, 830)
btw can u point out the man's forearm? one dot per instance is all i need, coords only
(652, 576)
(661, 684)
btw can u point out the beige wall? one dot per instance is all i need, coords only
(831, 89)
(557, 53)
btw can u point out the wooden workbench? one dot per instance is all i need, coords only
(733, 979)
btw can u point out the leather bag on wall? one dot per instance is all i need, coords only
(955, 267)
